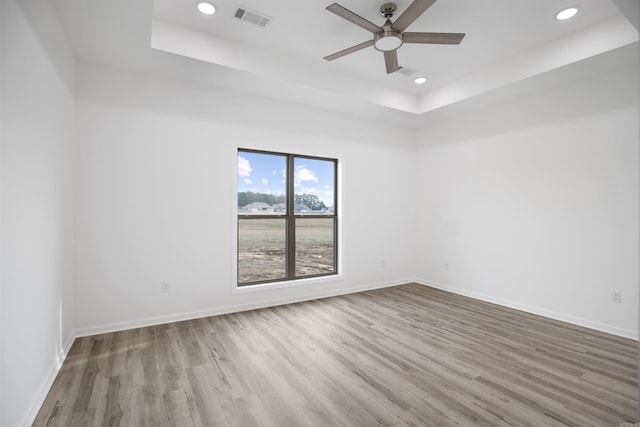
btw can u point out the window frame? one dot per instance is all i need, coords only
(290, 217)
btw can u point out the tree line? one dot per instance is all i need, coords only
(310, 200)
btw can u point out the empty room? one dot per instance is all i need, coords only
(307, 213)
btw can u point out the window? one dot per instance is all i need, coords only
(287, 222)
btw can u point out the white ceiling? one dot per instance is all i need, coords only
(506, 41)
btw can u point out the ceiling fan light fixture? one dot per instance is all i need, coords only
(566, 13)
(387, 40)
(388, 43)
(206, 8)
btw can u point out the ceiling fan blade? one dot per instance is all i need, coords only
(353, 18)
(391, 61)
(412, 13)
(349, 50)
(433, 38)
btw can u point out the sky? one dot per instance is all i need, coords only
(265, 173)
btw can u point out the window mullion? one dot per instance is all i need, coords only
(291, 226)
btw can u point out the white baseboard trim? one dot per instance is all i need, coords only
(48, 382)
(140, 323)
(120, 326)
(625, 333)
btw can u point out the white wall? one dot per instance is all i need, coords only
(36, 203)
(534, 204)
(631, 10)
(156, 183)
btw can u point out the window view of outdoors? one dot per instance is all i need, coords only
(278, 238)
(262, 253)
(314, 246)
(262, 183)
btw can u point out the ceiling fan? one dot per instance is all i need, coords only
(391, 35)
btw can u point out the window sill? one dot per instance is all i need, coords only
(286, 284)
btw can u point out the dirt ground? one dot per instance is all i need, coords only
(269, 264)
(262, 253)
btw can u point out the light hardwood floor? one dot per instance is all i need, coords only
(406, 355)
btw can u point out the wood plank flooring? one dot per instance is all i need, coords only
(406, 355)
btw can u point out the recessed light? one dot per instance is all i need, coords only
(420, 80)
(206, 8)
(566, 13)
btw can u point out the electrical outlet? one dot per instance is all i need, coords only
(446, 265)
(164, 288)
(382, 263)
(616, 297)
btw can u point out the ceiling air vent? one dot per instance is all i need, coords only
(406, 71)
(253, 17)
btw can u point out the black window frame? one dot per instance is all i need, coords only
(290, 217)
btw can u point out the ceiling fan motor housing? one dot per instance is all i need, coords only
(388, 39)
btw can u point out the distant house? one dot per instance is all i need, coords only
(258, 207)
(301, 208)
(261, 207)
(280, 207)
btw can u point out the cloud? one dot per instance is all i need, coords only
(244, 168)
(302, 174)
(248, 181)
(310, 190)
(264, 181)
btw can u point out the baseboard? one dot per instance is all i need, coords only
(625, 333)
(114, 327)
(140, 323)
(48, 382)
(119, 326)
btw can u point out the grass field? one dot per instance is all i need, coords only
(262, 248)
